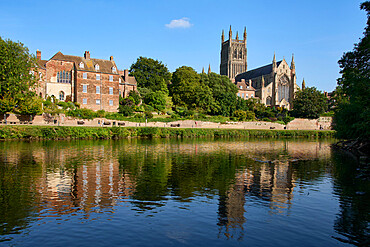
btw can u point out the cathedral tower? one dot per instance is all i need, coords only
(233, 55)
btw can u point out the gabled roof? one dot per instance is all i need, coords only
(265, 70)
(41, 64)
(105, 66)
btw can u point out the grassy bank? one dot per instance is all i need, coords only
(64, 132)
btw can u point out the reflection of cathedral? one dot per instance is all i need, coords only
(274, 84)
(272, 183)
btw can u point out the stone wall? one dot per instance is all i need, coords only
(323, 123)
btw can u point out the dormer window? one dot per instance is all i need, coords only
(114, 70)
(82, 65)
(96, 67)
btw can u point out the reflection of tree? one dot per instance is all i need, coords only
(17, 192)
(353, 189)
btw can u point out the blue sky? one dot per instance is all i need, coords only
(316, 31)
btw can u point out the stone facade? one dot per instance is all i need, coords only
(93, 83)
(275, 83)
(233, 55)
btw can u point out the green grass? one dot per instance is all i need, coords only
(79, 132)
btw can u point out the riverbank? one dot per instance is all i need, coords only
(79, 132)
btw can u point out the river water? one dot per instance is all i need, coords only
(181, 192)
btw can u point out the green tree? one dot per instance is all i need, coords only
(185, 86)
(151, 74)
(158, 100)
(30, 106)
(352, 116)
(309, 103)
(16, 74)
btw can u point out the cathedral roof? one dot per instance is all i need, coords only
(264, 70)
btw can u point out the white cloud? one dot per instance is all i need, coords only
(180, 23)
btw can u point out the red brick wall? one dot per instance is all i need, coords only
(91, 94)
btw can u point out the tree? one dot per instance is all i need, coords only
(151, 74)
(309, 103)
(352, 116)
(157, 100)
(185, 86)
(30, 106)
(16, 74)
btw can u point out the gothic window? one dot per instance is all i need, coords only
(82, 65)
(61, 95)
(268, 100)
(283, 89)
(240, 54)
(235, 53)
(96, 67)
(64, 77)
(114, 70)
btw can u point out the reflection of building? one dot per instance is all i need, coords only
(268, 182)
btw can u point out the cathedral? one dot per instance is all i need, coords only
(274, 84)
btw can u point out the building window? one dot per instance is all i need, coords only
(114, 70)
(111, 102)
(98, 101)
(84, 75)
(64, 77)
(84, 88)
(40, 76)
(241, 87)
(238, 94)
(98, 89)
(246, 96)
(110, 90)
(252, 96)
(98, 77)
(242, 95)
(110, 78)
(96, 67)
(61, 95)
(84, 101)
(82, 65)
(119, 80)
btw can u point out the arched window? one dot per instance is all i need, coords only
(114, 70)
(61, 95)
(82, 65)
(268, 100)
(283, 89)
(235, 53)
(96, 67)
(240, 54)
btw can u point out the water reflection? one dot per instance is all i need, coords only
(84, 178)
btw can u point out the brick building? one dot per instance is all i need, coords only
(91, 82)
(246, 91)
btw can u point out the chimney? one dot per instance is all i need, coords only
(38, 55)
(111, 58)
(126, 74)
(87, 55)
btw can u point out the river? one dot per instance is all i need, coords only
(182, 192)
